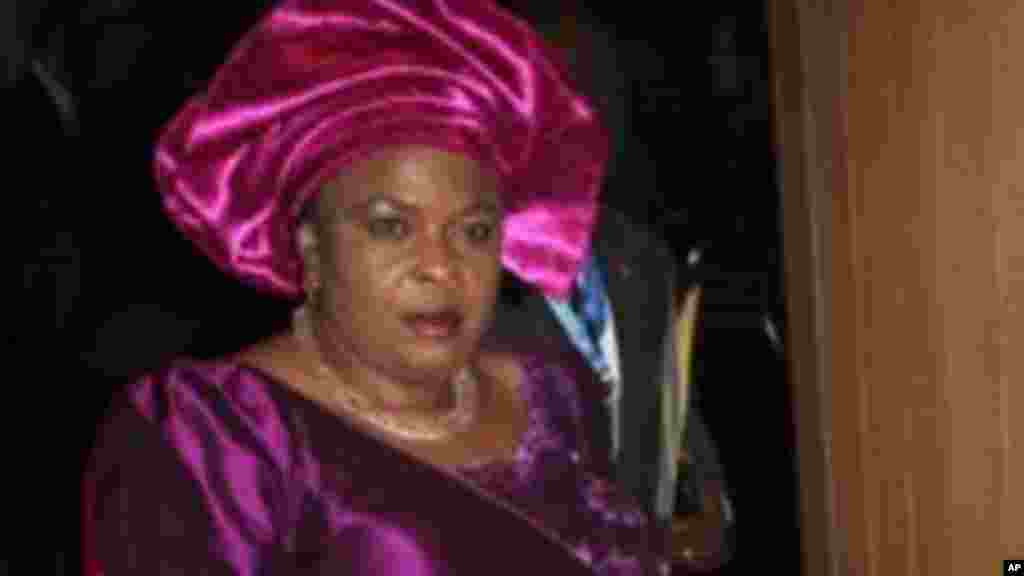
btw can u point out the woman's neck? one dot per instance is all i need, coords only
(387, 392)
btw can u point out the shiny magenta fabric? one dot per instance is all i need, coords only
(215, 468)
(317, 84)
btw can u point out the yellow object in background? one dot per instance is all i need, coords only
(686, 326)
(675, 400)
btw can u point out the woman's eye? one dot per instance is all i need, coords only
(480, 232)
(387, 228)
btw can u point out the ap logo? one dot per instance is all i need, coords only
(1014, 567)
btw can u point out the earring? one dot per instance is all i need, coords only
(312, 288)
(302, 323)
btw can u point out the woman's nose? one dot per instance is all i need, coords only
(436, 258)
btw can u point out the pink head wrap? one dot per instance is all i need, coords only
(317, 83)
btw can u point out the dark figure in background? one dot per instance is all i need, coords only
(73, 75)
(721, 209)
(706, 80)
(634, 275)
(44, 190)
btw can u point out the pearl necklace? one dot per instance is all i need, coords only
(411, 425)
(407, 425)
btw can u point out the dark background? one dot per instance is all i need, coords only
(111, 290)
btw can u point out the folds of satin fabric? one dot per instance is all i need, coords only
(217, 470)
(317, 84)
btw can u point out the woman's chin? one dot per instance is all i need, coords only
(435, 365)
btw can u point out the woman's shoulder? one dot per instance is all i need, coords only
(182, 374)
(538, 357)
(201, 395)
(200, 413)
(550, 383)
(255, 363)
(503, 367)
(515, 367)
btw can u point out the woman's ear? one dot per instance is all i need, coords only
(308, 242)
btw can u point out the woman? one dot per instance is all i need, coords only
(383, 161)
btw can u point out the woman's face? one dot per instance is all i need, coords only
(409, 243)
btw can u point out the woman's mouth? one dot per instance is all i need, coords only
(434, 325)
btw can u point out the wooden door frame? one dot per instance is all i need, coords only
(808, 70)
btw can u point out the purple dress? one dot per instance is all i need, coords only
(215, 468)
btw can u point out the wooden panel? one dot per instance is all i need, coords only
(922, 442)
(808, 65)
(934, 107)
